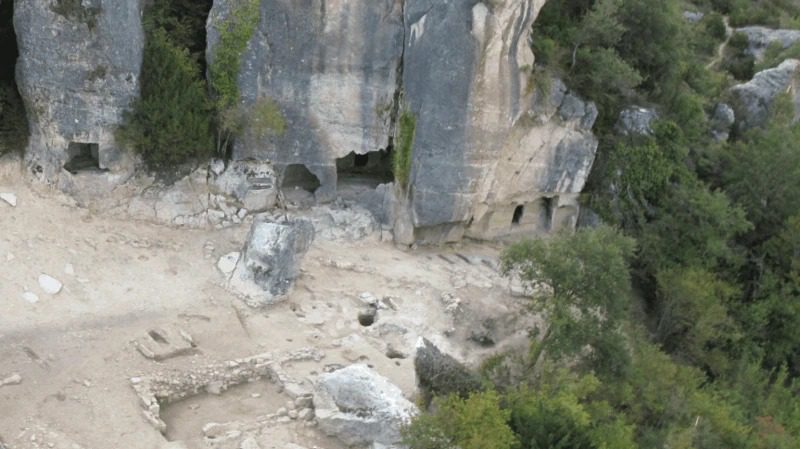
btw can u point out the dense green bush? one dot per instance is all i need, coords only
(477, 422)
(170, 123)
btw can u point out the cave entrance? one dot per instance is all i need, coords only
(299, 185)
(83, 157)
(546, 210)
(358, 173)
(519, 211)
(13, 123)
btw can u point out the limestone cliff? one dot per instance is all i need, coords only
(496, 152)
(77, 72)
(490, 158)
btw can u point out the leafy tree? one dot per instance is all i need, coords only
(760, 173)
(692, 227)
(560, 414)
(476, 422)
(169, 123)
(580, 282)
(693, 320)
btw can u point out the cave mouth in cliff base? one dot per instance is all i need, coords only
(13, 123)
(83, 157)
(546, 212)
(357, 173)
(519, 211)
(299, 177)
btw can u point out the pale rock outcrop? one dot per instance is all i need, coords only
(636, 121)
(331, 65)
(360, 407)
(753, 100)
(722, 121)
(78, 70)
(483, 164)
(270, 260)
(487, 142)
(760, 38)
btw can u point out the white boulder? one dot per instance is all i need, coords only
(360, 407)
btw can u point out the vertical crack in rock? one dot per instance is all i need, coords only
(398, 93)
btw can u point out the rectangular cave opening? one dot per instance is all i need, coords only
(13, 122)
(298, 185)
(546, 211)
(83, 157)
(357, 173)
(519, 211)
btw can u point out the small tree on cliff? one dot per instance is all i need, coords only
(233, 118)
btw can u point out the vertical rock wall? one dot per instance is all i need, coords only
(331, 65)
(486, 143)
(493, 155)
(78, 71)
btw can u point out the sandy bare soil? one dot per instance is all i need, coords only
(74, 355)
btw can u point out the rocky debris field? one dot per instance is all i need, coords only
(117, 333)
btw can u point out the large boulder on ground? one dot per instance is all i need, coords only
(760, 38)
(360, 407)
(753, 100)
(270, 259)
(441, 374)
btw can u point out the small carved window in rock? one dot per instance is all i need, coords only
(82, 157)
(298, 176)
(519, 211)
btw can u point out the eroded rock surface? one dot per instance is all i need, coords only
(760, 38)
(270, 261)
(361, 407)
(78, 70)
(753, 100)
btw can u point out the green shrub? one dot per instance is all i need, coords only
(170, 123)
(476, 422)
(404, 147)
(234, 34)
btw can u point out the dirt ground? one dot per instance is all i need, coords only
(74, 352)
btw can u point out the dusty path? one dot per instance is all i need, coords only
(723, 46)
(73, 350)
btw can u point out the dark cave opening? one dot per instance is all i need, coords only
(13, 122)
(358, 172)
(519, 211)
(546, 213)
(83, 157)
(298, 176)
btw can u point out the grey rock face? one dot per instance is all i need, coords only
(270, 261)
(77, 72)
(250, 182)
(331, 66)
(693, 16)
(486, 143)
(721, 122)
(753, 99)
(360, 407)
(760, 38)
(635, 120)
